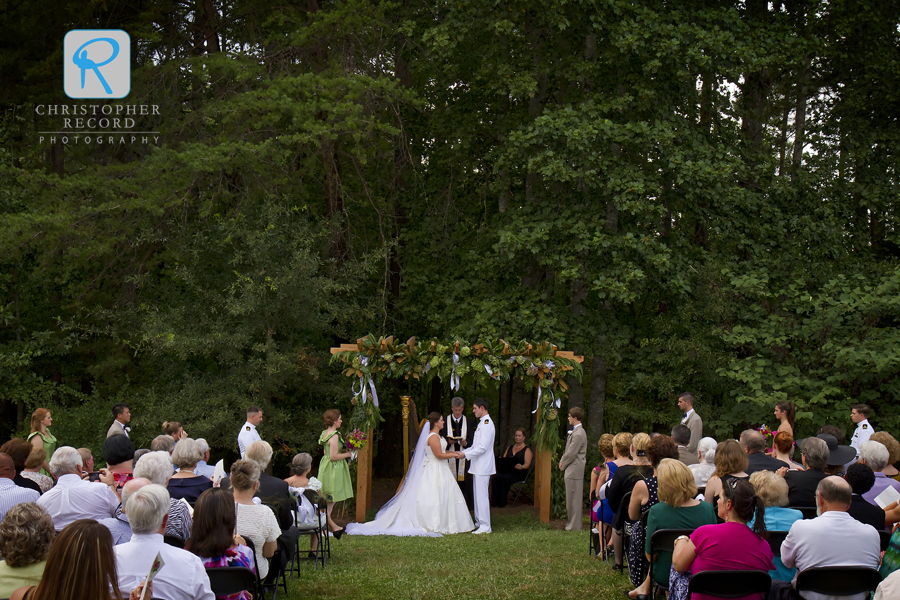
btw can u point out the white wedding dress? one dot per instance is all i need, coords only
(428, 502)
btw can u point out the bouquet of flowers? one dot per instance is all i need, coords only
(767, 433)
(355, 440)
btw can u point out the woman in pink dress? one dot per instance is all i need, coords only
(728, 546)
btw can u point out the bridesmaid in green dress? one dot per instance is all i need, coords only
(40, 436)
(334, 471)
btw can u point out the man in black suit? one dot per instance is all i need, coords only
(754, 444)
(802, 484)
(459, 430)
(861, 479)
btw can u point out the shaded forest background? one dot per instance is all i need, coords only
(695, 196)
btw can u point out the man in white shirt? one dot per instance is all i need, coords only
(10, 493)
(859, 414)
(73, 498)
(121, 418)
(203, 467)
(833, 539)
(183, 577)
(119, 526)
(481, 464)
(691, 419)
(248, 433)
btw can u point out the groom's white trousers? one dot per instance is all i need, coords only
(482, 501)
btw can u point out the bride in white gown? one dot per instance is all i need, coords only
(428, 502)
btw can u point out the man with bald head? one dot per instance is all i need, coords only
(119, 526)
(10, 493)
(754, 444)
(833, 539)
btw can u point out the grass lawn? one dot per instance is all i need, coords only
(522, 558)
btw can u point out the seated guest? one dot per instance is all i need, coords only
(773, 491)
(833, 539)
(36, 458)
(893, 448)
(643, 497)
(81, 566)
(802, 484)
(876, 456)
(174, 430)
(26, 534)
(600, 510)
(186, 483)
(622, 483)
(754, 444)
(139, 453)
(213, 538)
(784, 450)
(87, 460)
(10, 493)
(682, 436)
(183, 577)
(162, 443)
(118, 452)
(19, 450)
(156, 467)
(731, 463)
(861, 479)
(203, 467)
(838, 455)
(889, 588)
(272, 491)
(255, 522)
(522, 456)
(119, 526)
(307, 513)
(728, 546)
(677, 509)
(706, 466)
(832, 430)
(74, 498)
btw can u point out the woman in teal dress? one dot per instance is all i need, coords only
(334, 471)
(40, 436)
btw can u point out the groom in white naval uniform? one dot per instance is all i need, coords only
(481, 464)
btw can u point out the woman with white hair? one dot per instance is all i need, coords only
(185, 483)
(706, 452)
(876, 455)
(157, 467)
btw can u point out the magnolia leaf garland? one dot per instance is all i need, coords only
(538, 364)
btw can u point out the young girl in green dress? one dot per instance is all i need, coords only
(334, 470)
(40, 436)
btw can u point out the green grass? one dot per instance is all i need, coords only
(521, 559)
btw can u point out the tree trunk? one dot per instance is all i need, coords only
(597, 410)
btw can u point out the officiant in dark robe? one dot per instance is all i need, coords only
(459, 430)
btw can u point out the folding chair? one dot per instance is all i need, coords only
(519, 487)
(262, 585)
(809, 512)
(226, 581)
(663, 540)
(776, 538)
(305, 530)
(730, 584)
(619, 518)
(838, 581)
(885, 539)
(174, 540)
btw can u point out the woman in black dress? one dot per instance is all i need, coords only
(501, 482)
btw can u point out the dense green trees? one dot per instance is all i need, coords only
(700, 196)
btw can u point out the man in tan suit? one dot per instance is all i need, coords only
(691, 419)
(573, 462)
(122, 416)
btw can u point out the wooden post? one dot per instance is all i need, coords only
(364, 479)
(542, 489)
(404, 401)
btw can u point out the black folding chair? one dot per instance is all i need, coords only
(729, 584)
(663, 540)
(776, 538)
(307, 530)
(838, 581)
(173, 540)
(226, 581)
(519, 487)
(885, 539)
(809, 512)
(619, 519)
(262, 585)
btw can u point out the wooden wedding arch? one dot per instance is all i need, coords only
(540, 365)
